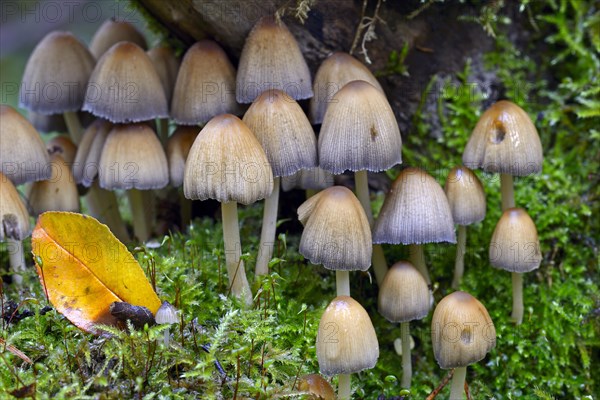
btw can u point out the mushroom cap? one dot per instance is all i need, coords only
(462, 331)
(505, 141)
(415, 211)
(133, 158)
(166, 314)
(515, 246)
(465, 195)
(346, 339)
(404, 295)
(23, 155)
(316, 386)
(59, 193)
(336, 230)
(64, 147)
(112, 32)
(166, 65)
(205, 85)
(14, 218)
(310, 178)
(337, 70)
(87, 159)
(359, 131)
(271, 59)
(284, 132)
(178, 148)
(56, 74)
(125, 87)
(46, 123)
(227, 163)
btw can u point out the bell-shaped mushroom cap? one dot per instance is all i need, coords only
(63, 146)
(505, 141)
(125, 86)
(465, 195)
(87, 159)
(462, 331)
(415, 211)
(178, 148)
(23, 155)
(336, 230)
(227, 163)
(359, 131)
(271, 59)
(112, 32)
(133, 158)
(284, 132)
(47, 123)
(335, 72)
(166, 65)
(166, 314)
(59, 193)
(404, 295)
(311, 178)
(346, 339)
(515, 246)
(205, 85)
(14, 218)
(56, 74)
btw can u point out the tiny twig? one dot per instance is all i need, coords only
(15, 351)
(438, 389)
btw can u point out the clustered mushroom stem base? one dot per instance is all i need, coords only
(141, 227)
(508, 191)
(16, 259)
(73, 126)
(517, 288)
(361, 183)
(342, 283)
(459, 264)
(417, 258)
(102, 205)
(343, 386)
(267, 235)
(406, 361)
(236, 273)
(458, 383)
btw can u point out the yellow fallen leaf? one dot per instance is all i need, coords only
(84, 268)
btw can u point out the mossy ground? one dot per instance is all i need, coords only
(555, 353)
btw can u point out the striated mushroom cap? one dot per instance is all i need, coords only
(178, 148)
(404, 295)
(167, 66)
(346, 340)
(56, 74)
(14, 218)
(87, 159)
(336, 71)
(359, 131)
(125, 87)
(112, 32)
(271, 59)
(336, 230)
(462, 331)
(415, 211)
(465, 195)
(504, 141)
(227, 163)
(311, 178)
(515, 246)
(59, 193)
(205, 85)
(284, 132)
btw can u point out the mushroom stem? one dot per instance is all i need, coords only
(73, 126)
(417, 258)
(406, 361)
(236, 273)
(185, 209)
(343, 386)
(269, 225)
(459, 264)
(362, 192)
(141, 227)
(342, 283)
(102, 205)
(458, 383)
(164, 130)
(508, 191)
(517, 287)
(167, 337)
(16, 258)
